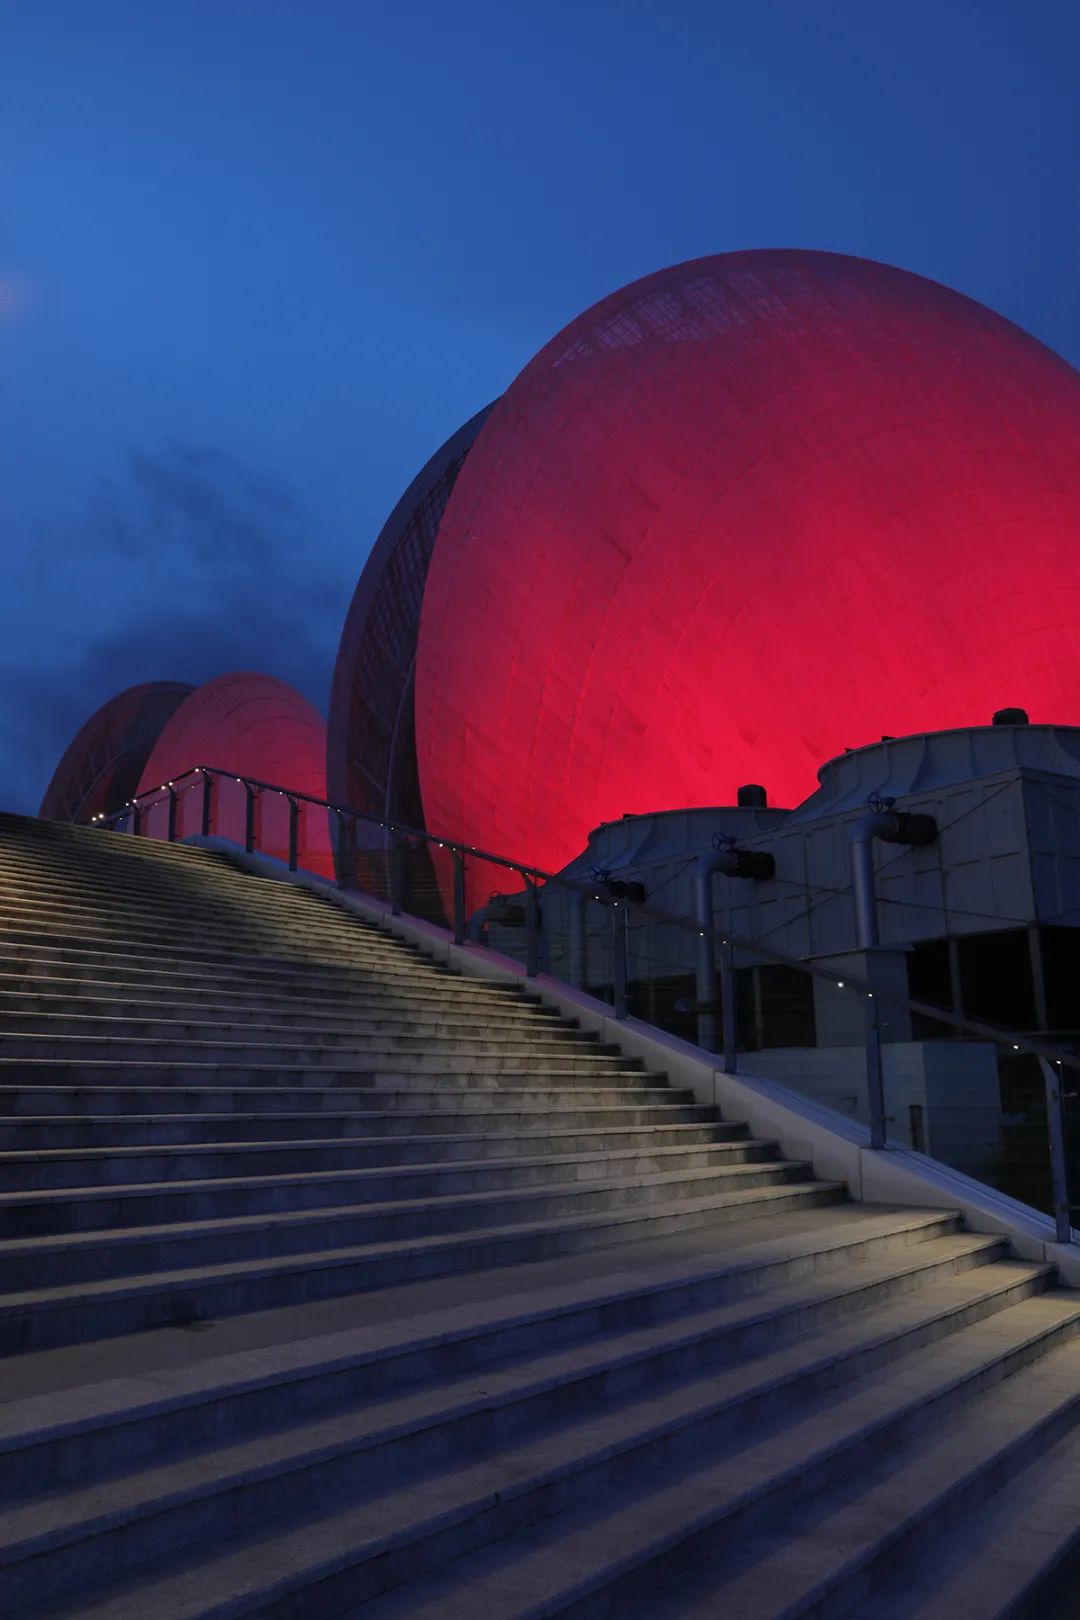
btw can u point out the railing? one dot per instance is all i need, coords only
(975, 1095)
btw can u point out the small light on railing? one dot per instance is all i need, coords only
(839, 984)
(869, 995)
(1015, 1047)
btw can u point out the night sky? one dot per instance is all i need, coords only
(258, 258)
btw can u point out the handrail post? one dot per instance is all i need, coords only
(136, 817)
(174, 800)
(249, 818)
(620, 935)
(577, 905)
(394, 873)
(705, 978)
(294, 834)
(532, 929)
(729, 1005)
(459, 896)
(875, 1075)
(346, 864)
(207, 803)
(1059, 1164)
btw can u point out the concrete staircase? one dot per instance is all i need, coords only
(333, 1283)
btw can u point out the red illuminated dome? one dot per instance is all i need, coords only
(738, 516)
(254, 726)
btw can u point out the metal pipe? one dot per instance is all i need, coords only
(729, 1006)
(705, 868)
(532, 929)
(867, 828)
(294, 835)
(577, 907)
(174, 799)
(619, 941)
(877, 824)
(249, 818)
(1059, 1164)
(459, 896)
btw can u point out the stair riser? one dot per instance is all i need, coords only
(25, 898)
(348, 1474)
(890, 1558)
(609, 1598)
(114, 1256)
(300, 985)
(229, 1415)
(123, 1168)
(526, 1037)
(43, 1325)
(253, 1013)
(279, 958)
(75, 1092)
(50, 1216)
(258, 983)
(223, 918)
(330, 1481)
(510, 1057)
(278, 1125)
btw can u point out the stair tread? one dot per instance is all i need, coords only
(177, 1231)
(823, 1236)
(835, 1539)
(32, 1527)
(477, 1238)
(427, 1318)
(148, 1189)
(593, 1539)
(994, 1561)
(17, 1156)
(558, 1559)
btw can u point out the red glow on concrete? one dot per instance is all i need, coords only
(255, 726)
(738, 516)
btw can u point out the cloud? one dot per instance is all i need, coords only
(202, 566)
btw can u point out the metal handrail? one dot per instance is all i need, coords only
(1051, 1057)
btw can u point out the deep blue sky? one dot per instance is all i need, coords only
(258, 258)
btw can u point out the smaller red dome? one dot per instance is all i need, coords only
(250, 725)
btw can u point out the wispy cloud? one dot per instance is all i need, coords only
(215, 570)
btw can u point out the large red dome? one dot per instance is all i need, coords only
(738, 516)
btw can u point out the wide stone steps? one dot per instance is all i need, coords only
(239, 1487)
(80, 1209)
(122, 1249)
(319, 962)
(35, 1318)
(258, 976)
(332, 1282)
(614, 1554)
(899, 1524)
(218, 1116)
(490, 1056)
(293, 998)
(148, 1021)
(533, 1455)
(807, 1271)
(1012, 1547)
(25, 1083)
(284, 944)
(33, 1170)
